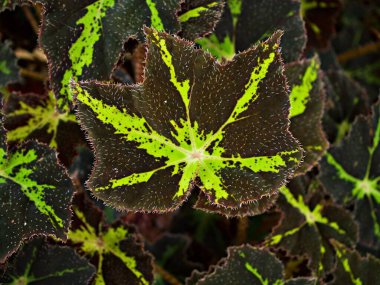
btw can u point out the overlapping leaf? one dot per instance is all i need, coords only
(351, 173)
(8, 67)
(320, 17)
(246, 22)
(35, 193)
(345, 100)
(192, 121)
(84, 39)
(114, 250)
(10, 4)
(32, 116)
(308, 224)
(306, 110)
(353, 269)
(40, 263)
(199, 17)
(247, 265)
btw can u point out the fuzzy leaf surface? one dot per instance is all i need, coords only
(245, 23)
(350, 172)
(35, 194)
(114, 249)
(246, 265)
(8, 67)
(191, 122)
(42, 264)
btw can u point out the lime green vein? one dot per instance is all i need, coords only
(30, 188)
(156, 22)
(81, 52)
(4, 67)
(256, 273)
(196, 12)
(300, 94)
(107, 242)
(346, 265)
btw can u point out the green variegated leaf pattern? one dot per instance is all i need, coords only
(246, 22)
(113, 249)
(84, 39)
(306, 110)
(199, 17)
(353, 269)
(247, 265)
(8, 67)
(35, 194)
(40, 263)
(350, 172)
(187, 124)
(33, 116)
(309, 218)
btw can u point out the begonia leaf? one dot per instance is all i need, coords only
(246, 22)
(247, 265)
(115, 250)
(8, 67)
(308, 224)
(191, 122)
(33, 116)
(38, 263)
(350, 172)
(35, 194)
(353, 269)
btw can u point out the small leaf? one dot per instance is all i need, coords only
(32, 116)
(84, 39)
(114, 249)
(8, 66)
(35, 195)
(191, 122)
(353, 269)
(310, 219)
(350, 172)
(246, 265)
(40, 263)
(306, 110)
(246, 22)
(199, 18)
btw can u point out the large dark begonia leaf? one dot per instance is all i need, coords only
(192, 121)
(35, 194)
(246, 22)
(114, 249)
(199, 17)
(350, 172)
(308, 224)
(38, 263)
(8, 66)
(32, 116)
(352, 269)
(345, 100)
(84, 39)
(306, 110)
(247, 265)
(320, 17)
(10, 4)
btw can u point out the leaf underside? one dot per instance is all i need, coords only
(191, 122)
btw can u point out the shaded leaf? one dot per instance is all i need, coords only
(155, 141)
(199, 17)
(246, 265)
(10, 4)
(114, 249)
(320, 17)
(8, 66)
(353, 269)
(246, 22)
(35, 195)
(308, 224)
(37, 262)
(32, 116)
(345, 100)
(84, 39)
(350, 172)
(306, 110)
